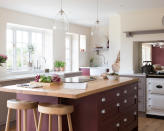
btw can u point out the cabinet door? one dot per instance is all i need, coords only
(85, 71)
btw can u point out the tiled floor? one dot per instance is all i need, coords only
(146, 124)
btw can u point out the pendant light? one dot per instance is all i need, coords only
(62, 19)
(97, 23)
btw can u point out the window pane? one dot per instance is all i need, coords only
(9, 49)
(83, 43)
(37, 43)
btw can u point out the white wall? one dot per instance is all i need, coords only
(9, 16)
(138, 20)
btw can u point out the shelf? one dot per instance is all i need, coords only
(100, 49)
(140, 32)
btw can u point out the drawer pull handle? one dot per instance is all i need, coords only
(135, 96)
(103, 111)
(118, 94)
(135, 88)
(125, 119)
(103, 99)
(159, 86)
(125, 101)
(118, 105)
(118, 125)
(125, 91)
(135, 113)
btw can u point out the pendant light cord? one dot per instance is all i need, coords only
(97, 9)
(61, 2)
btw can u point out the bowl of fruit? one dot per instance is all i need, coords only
(113, 76)
(48, 81)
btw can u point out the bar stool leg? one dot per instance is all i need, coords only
(25, 120)
(19, 120)
(8, 120)
(50, 122)
(69, 122)
(59, 123)
(40, 122)
(35, 118)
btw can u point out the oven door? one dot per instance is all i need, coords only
(155, 85)
(155, 102)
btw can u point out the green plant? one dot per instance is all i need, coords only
(62, 64)
(91, 60)
(46, 79)
(57, 64)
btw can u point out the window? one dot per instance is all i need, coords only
(26, 48)
(72, 52)
(83, 41)
(146, 52)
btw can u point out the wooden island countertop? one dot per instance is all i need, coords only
(93, 87)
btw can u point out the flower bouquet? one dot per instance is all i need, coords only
(48, 81)
(3, 59)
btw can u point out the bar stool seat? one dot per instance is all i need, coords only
(55, 109)
(21, 105)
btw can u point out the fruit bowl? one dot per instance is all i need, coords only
(47, 81)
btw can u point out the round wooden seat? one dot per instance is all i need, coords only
(21, 105)
(53, 109)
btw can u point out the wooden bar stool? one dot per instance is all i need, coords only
(55, 109)
(21, 105)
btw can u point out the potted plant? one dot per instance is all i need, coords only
(91, 61)
(62, 65)
(57, 65)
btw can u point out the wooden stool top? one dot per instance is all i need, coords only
(20, 104)
(55, 109)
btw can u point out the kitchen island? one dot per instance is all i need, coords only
(104, 106)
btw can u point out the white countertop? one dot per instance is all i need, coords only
(24, 76)
(135, 74)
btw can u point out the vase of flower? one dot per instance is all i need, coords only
(3, 59)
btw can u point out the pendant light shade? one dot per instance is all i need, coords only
(62, 20)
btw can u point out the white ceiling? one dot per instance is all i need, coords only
(79, 11)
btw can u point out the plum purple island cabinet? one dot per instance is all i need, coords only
(105, 105)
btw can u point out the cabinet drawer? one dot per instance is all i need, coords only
(110, 126)
(108, 111)
(130, 90)
(108, 98)
(128, 102)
